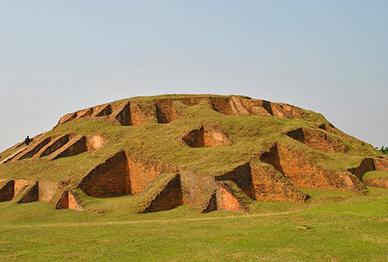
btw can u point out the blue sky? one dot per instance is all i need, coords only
(60, 56)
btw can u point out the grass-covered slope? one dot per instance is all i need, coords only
(163, 142)
(150, 131)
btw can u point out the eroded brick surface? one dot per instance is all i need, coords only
(170, 197)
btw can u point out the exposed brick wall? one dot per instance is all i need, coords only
(60, 142)
(242, 177)
(68, 201)
(47, 190)
(138, 115)
(270, 185)
(31, 195)
(170, 197)
(194, 138)
(318, 140)
(197, 189)
(165, 111)
(67, 118)
(105, 110)
(77, 147)
(34, 148)
(110, 178)
(381, 164)
(20, 184)
(140, 175)
(257, 107)
(376, 182)
(211, 205)
(124, 116)
(7, 191)
(85, 113)
(213, 136)
(368, 164)
(226, 200)
(206, 136)
(303, 172)
(222, 105)
(284, 110)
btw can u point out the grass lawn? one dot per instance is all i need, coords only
(333, 226)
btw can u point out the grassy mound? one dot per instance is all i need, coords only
(232, 131)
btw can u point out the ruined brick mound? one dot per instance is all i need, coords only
(318, 140)
(206, 136)
(25, 191)
(57, 147)
(204, 151)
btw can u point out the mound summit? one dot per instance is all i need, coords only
(208, 152)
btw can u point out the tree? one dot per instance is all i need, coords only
(384, 149)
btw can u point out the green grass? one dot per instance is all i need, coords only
(333, 226)
(376, 174)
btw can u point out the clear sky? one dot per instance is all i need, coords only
(59, 56)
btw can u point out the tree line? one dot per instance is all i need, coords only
(383, 149)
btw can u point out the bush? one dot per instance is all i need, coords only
(383, 149)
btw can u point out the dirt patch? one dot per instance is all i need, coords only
(206, 136)
(318, 140)
(165, 111)
(304, 172)
(95, 142)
